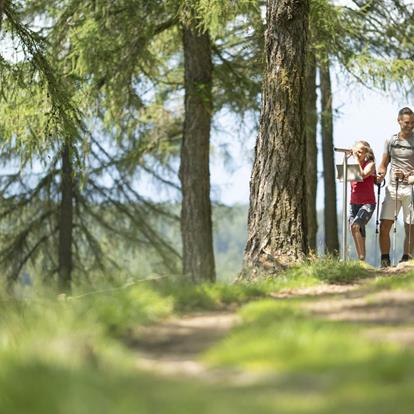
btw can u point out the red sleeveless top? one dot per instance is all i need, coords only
(363, 192)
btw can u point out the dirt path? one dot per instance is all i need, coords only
(387, 315)
(173, 347)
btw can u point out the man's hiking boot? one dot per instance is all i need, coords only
(385, 261)
(405, 258)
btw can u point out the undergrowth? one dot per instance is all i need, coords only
(65, 355)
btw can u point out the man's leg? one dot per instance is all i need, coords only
(385, 241)
(384, 236)
(409, 229)
(408, 250)
(389, 210)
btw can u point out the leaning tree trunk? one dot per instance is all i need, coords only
(311, 176)
(66, 222)
(196, 221)
(330, 212)
(276, 232)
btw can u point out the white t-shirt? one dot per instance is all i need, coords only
(401, 152)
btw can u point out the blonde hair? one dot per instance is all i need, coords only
(369, 153)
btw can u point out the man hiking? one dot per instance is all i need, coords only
(399, 152)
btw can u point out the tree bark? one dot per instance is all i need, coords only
(66, 222)
(276, 231)
(196, 221)
(330, 211)
(1, 12)
(311, 151)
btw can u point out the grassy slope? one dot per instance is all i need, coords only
(66, 356)
(322, 366)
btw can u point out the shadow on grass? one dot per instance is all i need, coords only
(379, 385)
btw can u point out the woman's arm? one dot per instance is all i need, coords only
(368, 170)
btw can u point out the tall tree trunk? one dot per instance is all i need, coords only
(276, 232)
(66, 222)
(311, 151)
(330, 211)
(196, 221)
(1, 12)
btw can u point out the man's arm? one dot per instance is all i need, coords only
(382, 168)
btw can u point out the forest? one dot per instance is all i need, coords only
(126, 285)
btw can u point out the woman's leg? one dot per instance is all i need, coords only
(359, 241)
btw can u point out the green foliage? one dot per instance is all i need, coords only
(326, 28)
(213, 15)
(371, 40)
(380, 36)
(36, 106)
(386, 74)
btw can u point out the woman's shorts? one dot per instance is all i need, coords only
(360, 214)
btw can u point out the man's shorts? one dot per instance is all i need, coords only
(360, 214)
(388, 208)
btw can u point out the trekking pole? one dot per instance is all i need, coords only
(344, 212)
(409, 225)
(377, 223)
(345, 202)
(411, 182)
(395, 221)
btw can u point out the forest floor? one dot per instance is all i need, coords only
(324, 337)
(174, 347)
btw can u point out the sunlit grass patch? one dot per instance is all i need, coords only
(295, 277)
(278, 336)
(188, 297)
(395, 281)
(330, 270)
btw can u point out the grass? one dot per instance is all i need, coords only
(186, 297)
(318, 366)
(331, 270)
(63, 356)
(66, 357)
(277, 336)
(399, 281)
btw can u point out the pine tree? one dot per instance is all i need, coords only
(196, 220)
(96, 55)
(330, 210)
(47, 217)
(311, 175)
(276, 233)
